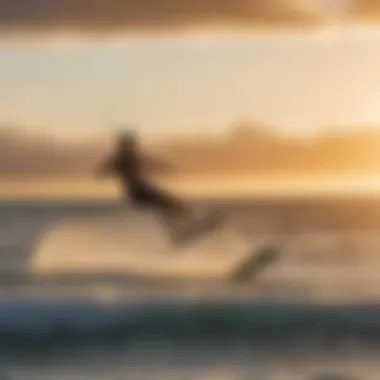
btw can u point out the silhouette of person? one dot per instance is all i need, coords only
(132, 168)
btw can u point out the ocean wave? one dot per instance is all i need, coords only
(46, 323)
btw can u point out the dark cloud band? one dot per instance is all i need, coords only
(34, 156)
(149, 15)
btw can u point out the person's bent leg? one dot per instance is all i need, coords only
(174, 214)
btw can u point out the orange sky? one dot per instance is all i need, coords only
(248, 161)
(298, 68)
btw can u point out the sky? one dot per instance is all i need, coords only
(312, 80)
(69, 69)
(80, 68)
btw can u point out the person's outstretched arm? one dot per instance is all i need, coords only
(155, 165)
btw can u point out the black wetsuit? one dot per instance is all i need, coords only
(130, 169)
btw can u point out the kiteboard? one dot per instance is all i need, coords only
(254, 264)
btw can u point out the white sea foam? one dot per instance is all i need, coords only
(136, 244)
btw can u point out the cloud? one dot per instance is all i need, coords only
(253, 150)
(35, 156)
(365, 9)
(154, 16)
(151, 15)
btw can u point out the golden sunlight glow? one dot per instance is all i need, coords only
(372, 109)
(192, 188)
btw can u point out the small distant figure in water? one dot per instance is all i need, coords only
(132, 168)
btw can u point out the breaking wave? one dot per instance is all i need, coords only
(33, 324)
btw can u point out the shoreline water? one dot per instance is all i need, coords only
(122, 325)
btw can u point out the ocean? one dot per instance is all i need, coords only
(93, 290)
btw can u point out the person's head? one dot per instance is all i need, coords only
(127, 141)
